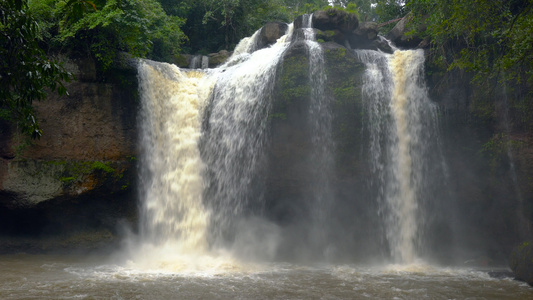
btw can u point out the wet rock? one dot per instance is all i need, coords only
(521, 262)
(364, 36)
(183, 60)
(332, 19)
(299, 34)
(381, 44)
(6, 134)
(367, 30)
(270, 33)
(501, 274)
(84, 69)
(398, 35)
(330, 36)
(219, 58)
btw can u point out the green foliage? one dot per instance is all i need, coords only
(387, 10)
(26, 73)
(295, 80)
(67, 180)
(226, 22)
(98, 165)
(279, 116)
(75, 171)
(299, 7)
(374, 10)
(489, 38)
(103, 28)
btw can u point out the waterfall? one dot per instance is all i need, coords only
(205, 62)
(402, 126)
(320, 120)
(235, 136)
(199, 62)
(202, 140)
(172, 105)
(205, 138)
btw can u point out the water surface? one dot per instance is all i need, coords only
(25, 276)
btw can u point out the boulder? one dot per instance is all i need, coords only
(270, 33)
(398, 35)
(363, 36)
(219, 58)
(183, 60)
(332, 19)
(331, 36)
(367, 30)
(521, 262)
(381, 44)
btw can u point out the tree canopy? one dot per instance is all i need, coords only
(489, 38)
(103, 27)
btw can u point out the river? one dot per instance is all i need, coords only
(25, 276)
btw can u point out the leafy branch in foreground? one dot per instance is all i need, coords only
(26, 73)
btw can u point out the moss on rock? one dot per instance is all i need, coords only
(344, 84)
(521, 262)
(292, 86)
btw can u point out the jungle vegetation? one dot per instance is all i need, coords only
(488, 38)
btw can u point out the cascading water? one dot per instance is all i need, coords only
(320, 119)
(235, 135)
(203, 150)
(402, 126)
(205, 135)
(199, 62)
(172, 197)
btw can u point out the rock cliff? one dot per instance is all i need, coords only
(73, 186)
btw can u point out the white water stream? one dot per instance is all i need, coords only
(401, 122)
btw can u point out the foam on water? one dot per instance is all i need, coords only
(62, 277)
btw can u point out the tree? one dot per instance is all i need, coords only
(103, 28)
(490, 38)
(25, 71)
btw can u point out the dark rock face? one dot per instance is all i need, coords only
(331, 36)
(270, 33)
(219, 58)
(364, 35)
(183, 60)
(521, 262)
(63, 183)
(344, 29)
(369, 30)
(288, 184)
(332, 19)
(398, 35)
(487, 144)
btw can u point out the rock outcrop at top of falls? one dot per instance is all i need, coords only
(343, 28)
(400, 37)
(330, 25)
